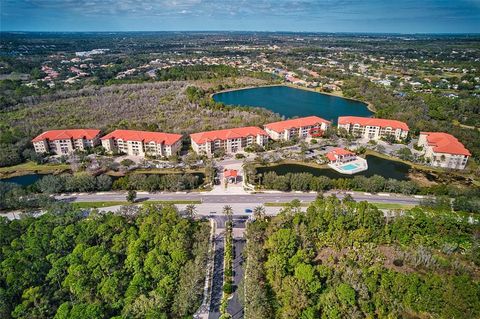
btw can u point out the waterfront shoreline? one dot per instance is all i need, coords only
(367, 104)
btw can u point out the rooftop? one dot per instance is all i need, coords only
(144, 136)
(369, 121)
(445, 143)
(295, 123)
(67, 134)
(226, 134)
(333, 154)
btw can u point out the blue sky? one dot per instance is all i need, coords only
(402, 16)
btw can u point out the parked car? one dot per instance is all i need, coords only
(248, 211)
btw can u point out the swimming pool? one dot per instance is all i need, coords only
(349, 167)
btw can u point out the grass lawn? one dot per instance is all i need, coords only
(29, 167)
(116, 203)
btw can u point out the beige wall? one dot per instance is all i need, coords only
(444, 160)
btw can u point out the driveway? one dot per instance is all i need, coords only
(235, 307)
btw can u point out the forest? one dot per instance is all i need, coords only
(145, 263)
(343, 259)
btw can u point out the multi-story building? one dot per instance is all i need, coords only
(63, 142)
(141, 143)
(373, 128)
(230, 140)
(311, 126)
(443, 150)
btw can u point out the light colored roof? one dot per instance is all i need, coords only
(445, 143)
(146, 137)
(332, 155)
(238, 132)
(281, 126)
(67, 134)
(369, 121)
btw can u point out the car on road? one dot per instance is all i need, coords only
(248, 211)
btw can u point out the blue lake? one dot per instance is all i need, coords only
(23, 180)
(290, 102)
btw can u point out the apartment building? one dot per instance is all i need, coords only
(443, 150)
(230, 140)
(63, 142)
(311, 126)
(142, 143)
(373, 128)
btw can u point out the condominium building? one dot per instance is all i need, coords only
(311, 126)
(63, 142)
(230, 140)
(141, 143)
(373, 128)
(443, 150)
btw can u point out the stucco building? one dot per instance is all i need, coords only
(443, 150)
(373, 128)
(230, 141)
(142, 143)
(63, 142)
(311, 126)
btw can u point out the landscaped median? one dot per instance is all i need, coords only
(227, 271)
(117, 203)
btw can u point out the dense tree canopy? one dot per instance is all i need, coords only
(346, 260)
(62, 265)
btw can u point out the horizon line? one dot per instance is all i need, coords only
(243, 31)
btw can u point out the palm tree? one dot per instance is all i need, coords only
(259, 213)
(191, 211)
(228, 212)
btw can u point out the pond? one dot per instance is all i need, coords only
(23, 180)
(290, 102)
(376, 166)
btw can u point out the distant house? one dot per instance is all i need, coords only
(443, 150)
(63, 142)
(311, 126)
(373, 128)
(142, 143)
(229, 140)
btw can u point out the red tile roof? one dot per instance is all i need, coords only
(230, 173)
(238, 132)
(67, 134)
(281, 126)
(445, 143)
(369, 121)
(146, 137)
(332, 155)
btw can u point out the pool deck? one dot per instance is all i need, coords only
(360, 163)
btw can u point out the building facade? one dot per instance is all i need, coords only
(142, 143)
(231, 141)
(64, 142)
(443, 150)
(311, 126)
(373, 128)
(340, 156)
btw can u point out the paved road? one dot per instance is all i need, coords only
(235, 308)
(258, 198)
(217, 282)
